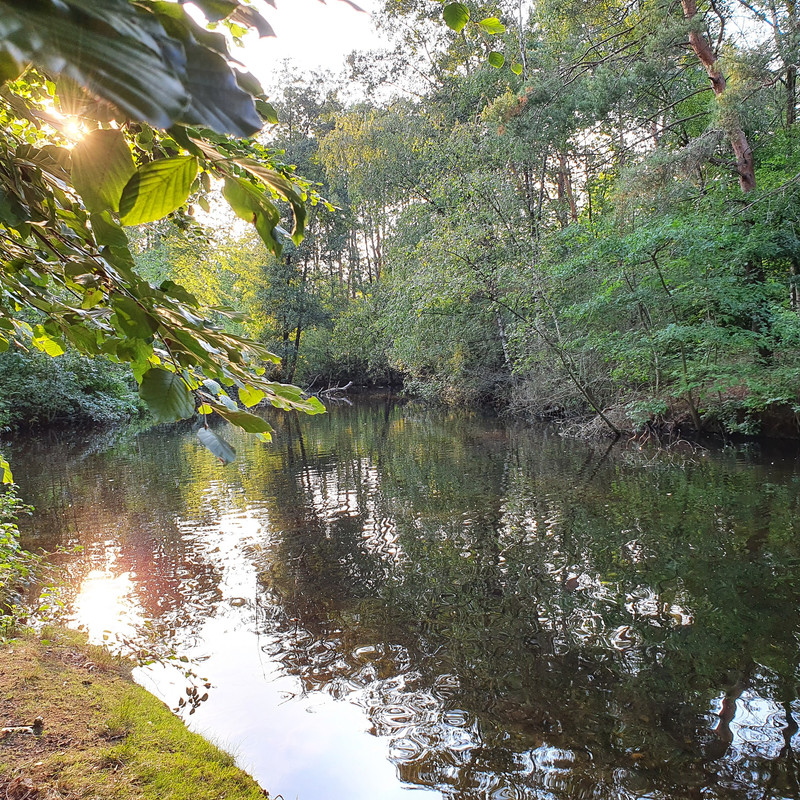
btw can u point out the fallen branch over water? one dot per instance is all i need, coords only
(334, 389)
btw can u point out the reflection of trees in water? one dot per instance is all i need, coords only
(125, 503)
(517, 614)
(541, 619)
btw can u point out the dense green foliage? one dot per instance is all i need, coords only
(569, 209)
(605, 222)
(578, 237)
(39, 390)
(112, 115)
(17, 566)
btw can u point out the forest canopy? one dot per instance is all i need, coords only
(591, 213)
(582, 211)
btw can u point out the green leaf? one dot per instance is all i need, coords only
(496, 59)
(84, 339)
(290, 397)
(456, 16)
(221, 97)
(267, 111)
(9, 69)
(212, 386)
(249, 203)
(250, 17)
(250, 396)
(92, 299)
(119, 51)
(245, 420)
(166, 395)
(55, 160)
(516, 68)
(215, 10)
(157, 189)
(217, 445)
(492, 25)
(313, 405)
(283, 187)
(136, 352)
(227, 401)
(178, 292)
(12, 213)
(123, 54)
(7, 476)
(47, 345)
(107, 230)
(132, 319)
(217, 100)
(101, 166)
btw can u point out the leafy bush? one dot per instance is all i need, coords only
(39, 390)
(17, 566)
(355, 349)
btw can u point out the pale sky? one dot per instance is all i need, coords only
(312, 34)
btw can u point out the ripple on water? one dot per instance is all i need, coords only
(405, 749)
(455, 718)
(445, 686)
(396, 716)
(507, 793)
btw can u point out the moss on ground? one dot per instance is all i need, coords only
(104, 736)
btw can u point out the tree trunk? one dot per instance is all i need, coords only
(573, 207)
(295, 354)
(785, 36)
(501, 330)
(560, 211)
(378, 251)
(739, 143)
(366, 255)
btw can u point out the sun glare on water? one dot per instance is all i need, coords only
(103, 605)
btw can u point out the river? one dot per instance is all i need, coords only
(392, 601)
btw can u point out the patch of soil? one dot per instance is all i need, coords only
(23, 788)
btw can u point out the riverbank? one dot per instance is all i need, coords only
(103, 736)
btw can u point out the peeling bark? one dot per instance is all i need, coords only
(708, 58)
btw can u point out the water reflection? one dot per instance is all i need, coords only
(102, 605)
(391, 599)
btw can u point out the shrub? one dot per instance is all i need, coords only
(40, 390)
(17, 566)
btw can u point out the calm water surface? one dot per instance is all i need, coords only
(392, 600)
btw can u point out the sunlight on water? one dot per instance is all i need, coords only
(103, 606)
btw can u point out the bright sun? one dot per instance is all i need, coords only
(73, 129)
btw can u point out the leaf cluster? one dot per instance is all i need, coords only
(158, 111)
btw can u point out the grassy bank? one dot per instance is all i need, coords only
(103, 736)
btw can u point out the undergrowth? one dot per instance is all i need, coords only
(18, 567)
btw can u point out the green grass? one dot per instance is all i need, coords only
(104, 737)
